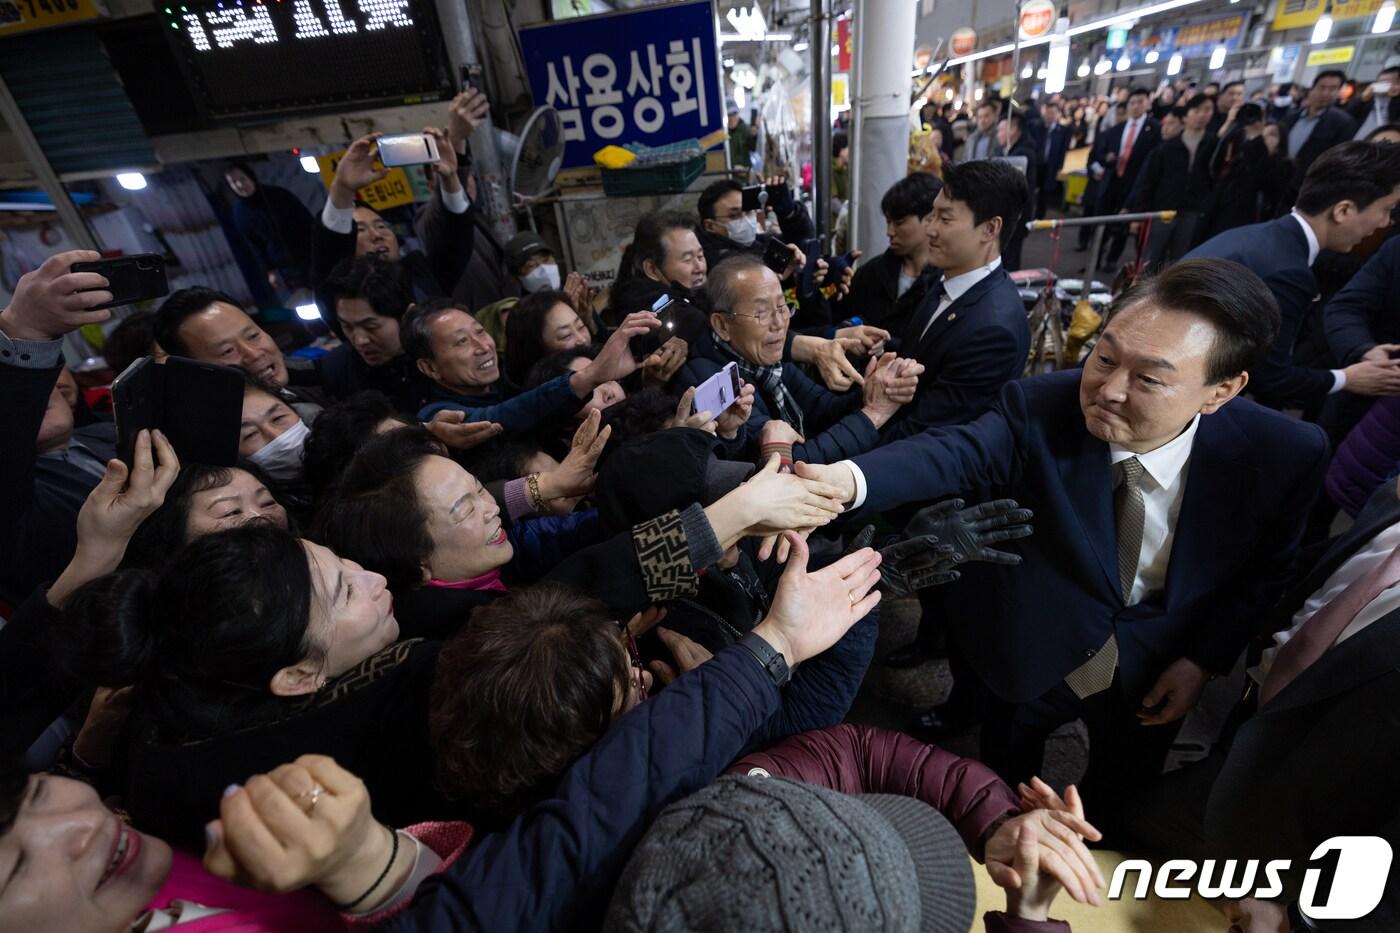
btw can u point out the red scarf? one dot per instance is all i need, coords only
(490, 580)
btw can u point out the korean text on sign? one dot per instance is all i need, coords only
(648, 76)
(393, 190)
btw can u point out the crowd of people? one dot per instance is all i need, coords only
(490, 625)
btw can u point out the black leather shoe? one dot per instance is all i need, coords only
(911, 655)
(940, 722)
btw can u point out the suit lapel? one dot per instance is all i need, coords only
(1215, 500)
(1368, 654)
(1088, 480)
(954, 313)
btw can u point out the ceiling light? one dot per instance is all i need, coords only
(1151, 57)
(131, 181)
(1217, 57)
(308, 312)
(310, 166)
(1174, 64)
(1384, 17)
(1323, 29)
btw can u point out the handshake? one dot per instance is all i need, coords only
(941, 537)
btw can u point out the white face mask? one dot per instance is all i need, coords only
(281, 459)
(543, 276)
(742, 230)
(1284, 101)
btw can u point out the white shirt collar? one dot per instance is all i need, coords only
(1165, 463)
(1314, 247)
(958, 285)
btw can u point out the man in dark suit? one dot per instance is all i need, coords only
(1117, 160)
(48, 468)
(1315, 127)
(1177, 178)
(1018, 144)
(1051, 158)
(1166, 509)
(971, 337)
(1349, 193)
(887, 289)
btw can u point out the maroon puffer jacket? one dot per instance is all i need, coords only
(857, 759)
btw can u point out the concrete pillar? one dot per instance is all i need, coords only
(884, 58)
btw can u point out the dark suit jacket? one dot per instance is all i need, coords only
(39, 498)
(1362, 314)
(874, 294)
(1277, 252)
(1333, 127)
(1252, 477)
(1052, 154)
(1171, 181)
(1115, 189)
(1026, 147)
(1318, 760)
(974, 348)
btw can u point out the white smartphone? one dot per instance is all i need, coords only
(719, 391)
(407, 149)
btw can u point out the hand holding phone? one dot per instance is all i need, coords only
(129, 278)
(197, 406)
(719, 391)
(777, 256)
(408, 149)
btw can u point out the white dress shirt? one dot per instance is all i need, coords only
(957, 286)
(1135, 126)
(1379, 116)
(1163, 483)
(1339, 377)
(1352, 569)
(342, 219)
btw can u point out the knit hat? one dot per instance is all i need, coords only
(761, 853)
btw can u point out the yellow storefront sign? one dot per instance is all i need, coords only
(18, 16)
(393, 190)
(1354, 9)
(1293, 14)
(1337, 56)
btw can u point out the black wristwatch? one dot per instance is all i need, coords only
(771, 661)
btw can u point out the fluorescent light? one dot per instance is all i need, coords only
(800, 47)
(1083, 70)
(1174, 64)
(131, 181)
(310, 166)
(1151, 56)
(1040, 73)
(1217, 57)
(770, 37)
(1026, 72)
(1056, 66)
(308, 312)
(835, 49)
(948, 94)
(977, 94)
(1384, 17)
(1323, 29)
(1102, 66)
(1123, 63)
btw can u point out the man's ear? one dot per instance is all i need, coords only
(1224, 391)
(1341, 210)
(719, 323)
(427, 368)
(991, 230)
(714, 226)
(298, 680)
(650, 271)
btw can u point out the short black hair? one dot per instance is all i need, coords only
(1197, 101)
(1017, 119)
(989, 189)
(712, 193)
(1229, 84)
(1383, 128)
(839, 141)
(415, 330)
(911, 196)
(1139, 91)
(384, 285)
(992, 102)
(341, 430)
(179, 306)
(1178, 112)
(1341, 76)
(1355, 171)
(1237, 303)
(130, 340)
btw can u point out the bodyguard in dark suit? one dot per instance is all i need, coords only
(1362, 315)
(887, 289)
(1349, 192)
(1315, 127)
(48, 468)
(1051, 158)
(1011, 133)
(1376, 106)
(1166, 508)
(1118, 159)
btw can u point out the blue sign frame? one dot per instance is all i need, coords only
(648, 76)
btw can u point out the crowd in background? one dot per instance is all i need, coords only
(528, 607)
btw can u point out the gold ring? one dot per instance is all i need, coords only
(312, 795)
(851, 594)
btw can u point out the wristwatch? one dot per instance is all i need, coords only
(771, 661)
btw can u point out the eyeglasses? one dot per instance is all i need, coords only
(766, 316)
(635, 657)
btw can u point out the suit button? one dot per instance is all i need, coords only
(1090, 653)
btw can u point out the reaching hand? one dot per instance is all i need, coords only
(685, 418)
(446, 164)
(644, 621)
(47, 302)
(580, 294)
(872, 339)
(468, 110)
(574, 477)
(737, 414)
(1174, 693)
(774, 501)
(356, 170)
(456, 432)
(1032, 855)
(1381, 352)
(811, 611)
(916, 564)
(829, 356)
(614, 362)
(127, 496)
(890, 384)
(687, 654)
(778, 431)
(665, 362)
(971, 531)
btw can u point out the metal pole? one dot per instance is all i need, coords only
(68, 212)
(1166, 216)
(493, 191)
(820, 47)
(884, 40)
(1015, 56)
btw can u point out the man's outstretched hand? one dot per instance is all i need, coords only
(972, 531)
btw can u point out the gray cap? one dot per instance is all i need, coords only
(522, 246)
(761, 853)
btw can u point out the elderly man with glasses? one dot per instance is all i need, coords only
(748, 326)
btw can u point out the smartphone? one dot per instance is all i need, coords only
(471, 77)
(812, 251)
(129, 278)
(197, 406)
(407, 149)
(664, 309)
(777, 256)
(719, 391)
(758, 196)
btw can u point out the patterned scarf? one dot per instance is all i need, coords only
(769, 383)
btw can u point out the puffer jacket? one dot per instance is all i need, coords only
(1368, 455)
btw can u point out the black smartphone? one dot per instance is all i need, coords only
(753, 196)
(777, 256)
(197, 406)
(812, 251)
(471, 77)
(129, 278)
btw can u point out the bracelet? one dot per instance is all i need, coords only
(393, 855)
(532, 492)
